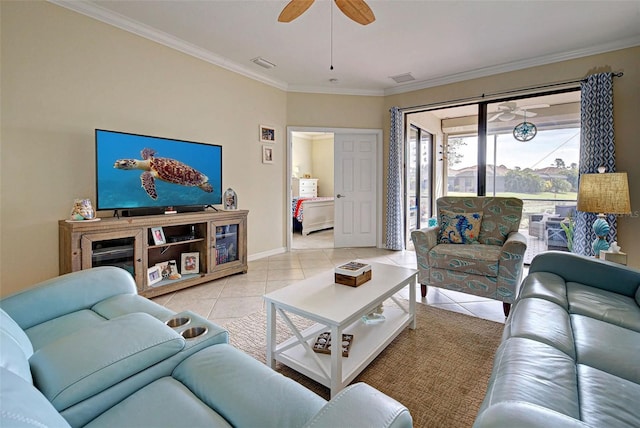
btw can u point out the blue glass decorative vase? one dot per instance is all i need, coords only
(601, 229)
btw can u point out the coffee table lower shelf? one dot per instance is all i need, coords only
(368, 341)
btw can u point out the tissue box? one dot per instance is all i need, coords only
(610, 256)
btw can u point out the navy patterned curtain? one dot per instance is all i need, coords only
(597, 148)
(395, 230)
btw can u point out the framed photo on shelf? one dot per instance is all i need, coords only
(267, 134)
(169, 269)
(158, 236)
(267, 154)
(153, 275)
(190, 263)
(164, 269)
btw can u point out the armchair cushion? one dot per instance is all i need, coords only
(475, 258)
(459, 228)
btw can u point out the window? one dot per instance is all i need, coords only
(481, 155)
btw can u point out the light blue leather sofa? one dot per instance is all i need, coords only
(84, 349)
(570, 354)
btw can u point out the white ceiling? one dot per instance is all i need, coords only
(437, 42)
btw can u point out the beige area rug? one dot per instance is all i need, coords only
(439, 371)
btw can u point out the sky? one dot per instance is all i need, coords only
(540, 152)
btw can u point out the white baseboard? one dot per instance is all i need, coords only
(264, 254)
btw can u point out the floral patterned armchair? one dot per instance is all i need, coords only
(475, 248)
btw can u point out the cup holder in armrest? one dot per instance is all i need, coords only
(178, 321)
(194, 332)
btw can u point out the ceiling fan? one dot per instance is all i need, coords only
(357, 10)
(508, 111)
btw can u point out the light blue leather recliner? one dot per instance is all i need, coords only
(84, 349)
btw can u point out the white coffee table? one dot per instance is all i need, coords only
(339, 309)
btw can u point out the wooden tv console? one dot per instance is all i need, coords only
(219, 238)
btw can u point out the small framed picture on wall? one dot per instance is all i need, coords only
(267, 154)
(267, 134)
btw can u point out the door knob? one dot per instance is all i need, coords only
(340, 196)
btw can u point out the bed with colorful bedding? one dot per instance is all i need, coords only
(312, 214)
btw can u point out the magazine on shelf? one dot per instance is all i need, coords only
(353, 268)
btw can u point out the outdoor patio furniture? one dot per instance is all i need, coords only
(536, 225)
(537, 222)
(555, 237)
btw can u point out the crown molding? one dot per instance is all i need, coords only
(335, 91)
(104, 15)
(514, 66)
(108, 17)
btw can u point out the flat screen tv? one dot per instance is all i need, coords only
(141, 172)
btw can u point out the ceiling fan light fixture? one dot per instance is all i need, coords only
(402, 78)
(263, 62)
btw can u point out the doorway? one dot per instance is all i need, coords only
(311, 161)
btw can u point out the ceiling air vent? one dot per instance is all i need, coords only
(263, 62)
(403, 78)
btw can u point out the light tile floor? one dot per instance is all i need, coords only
(233, 297)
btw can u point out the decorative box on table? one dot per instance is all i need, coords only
(612, 256)
(353, 274)
(322, 344)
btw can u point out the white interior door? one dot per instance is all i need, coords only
(355, 169)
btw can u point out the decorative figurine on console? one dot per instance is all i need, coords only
(230, 200)
(82, 210)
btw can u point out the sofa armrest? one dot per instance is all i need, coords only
(93, 359)
(67, 293)
(360, 405)
(23, 406)
(588, 271)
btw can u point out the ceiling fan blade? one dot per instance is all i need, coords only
(357, 10)
(507, 116)
(494, 117)
(525, 112)
(294, 9)
(529, 107)
(507, 106)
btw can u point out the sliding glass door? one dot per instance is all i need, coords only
(524, 146)
(419, 174)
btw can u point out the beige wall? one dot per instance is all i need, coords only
(301, 155)
(626, 96)
(322, 150)
(335, 111)
(64, 74)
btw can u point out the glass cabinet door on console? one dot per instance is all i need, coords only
(227, 244)
(121, 249)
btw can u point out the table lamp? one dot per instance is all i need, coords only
(603, 193)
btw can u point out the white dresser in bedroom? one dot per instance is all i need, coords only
(304, 187)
